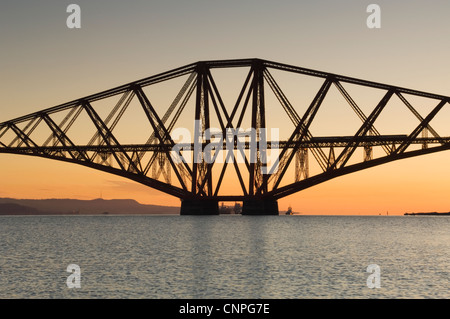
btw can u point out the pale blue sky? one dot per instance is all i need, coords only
(121, 41)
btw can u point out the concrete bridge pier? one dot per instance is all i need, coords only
(260, 207)
(253, 206)
(199, 207)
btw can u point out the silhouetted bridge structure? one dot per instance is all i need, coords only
(52, 133)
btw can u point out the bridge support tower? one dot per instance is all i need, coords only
(260, 207)
(253, 206)
(199, 207)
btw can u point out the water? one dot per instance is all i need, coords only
(224, 256)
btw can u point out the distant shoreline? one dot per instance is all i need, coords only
(103, 207)
(428, 214)
(74, 207)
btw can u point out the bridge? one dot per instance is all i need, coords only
(194, 172)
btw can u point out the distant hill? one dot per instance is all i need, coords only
(10, 206)
(16, 209)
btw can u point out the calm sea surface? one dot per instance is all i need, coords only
(224, 256)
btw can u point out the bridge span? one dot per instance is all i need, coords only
(195, 170)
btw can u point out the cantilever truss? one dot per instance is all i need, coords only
(152, 164)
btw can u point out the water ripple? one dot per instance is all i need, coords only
(224, 256)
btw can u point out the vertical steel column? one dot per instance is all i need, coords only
(258, 156)
(425, 135)
(301, 164)
(331, 158)
(201, 169)
(368, 149)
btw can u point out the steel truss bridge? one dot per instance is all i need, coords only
(152, 164)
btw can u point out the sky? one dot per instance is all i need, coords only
(43, 63)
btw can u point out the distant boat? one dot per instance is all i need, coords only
(289, 211)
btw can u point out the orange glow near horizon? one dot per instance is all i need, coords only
(392, 188)
(44, 64)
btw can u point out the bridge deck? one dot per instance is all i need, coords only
(315, 142)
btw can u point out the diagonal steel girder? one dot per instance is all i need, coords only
(299, 133)
(22, 136)
(360, 113)
(420, 127)
(229, 126)
(345, 155)
(416, 114)
(326, 176)
(318, 153)
(108, 138)
(27, 130)
(158, 128)
(66, 123)
(64, 139)
(213, 94)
